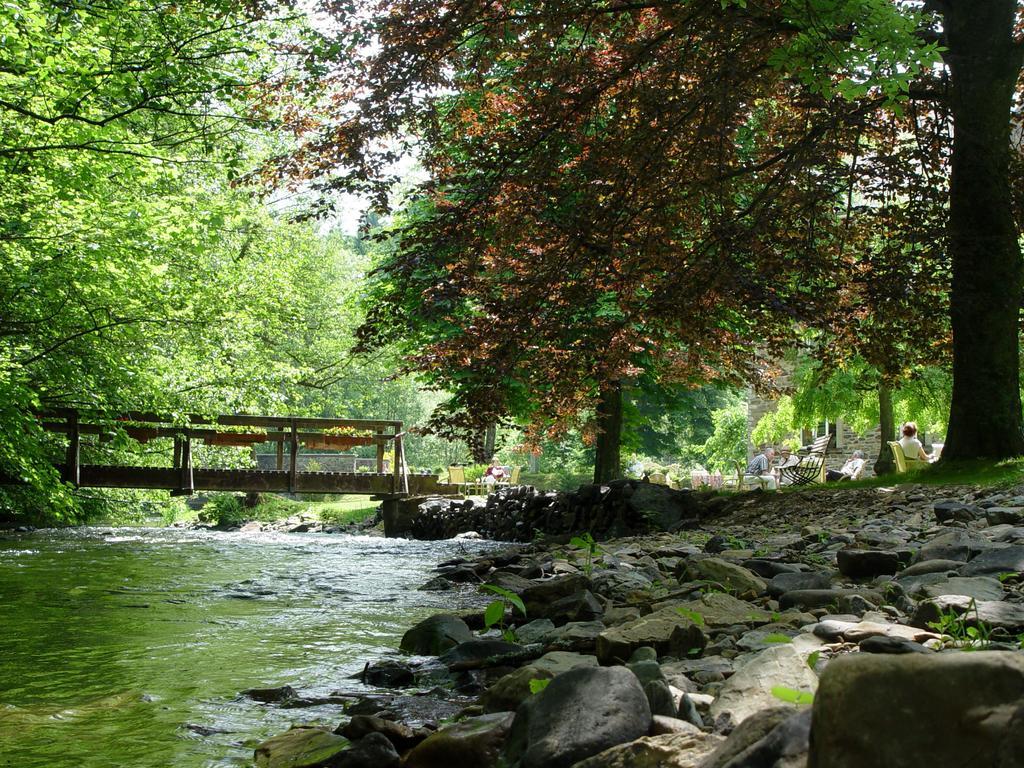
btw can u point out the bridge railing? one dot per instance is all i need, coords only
(286, 433)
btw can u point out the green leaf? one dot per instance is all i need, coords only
(792, 696)
(538, 684)
(494, 613)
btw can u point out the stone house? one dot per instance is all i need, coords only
(845, 442)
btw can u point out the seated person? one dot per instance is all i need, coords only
(786, 459)
(760, 468)
(851, 470)
(495, 472)
(911, 446)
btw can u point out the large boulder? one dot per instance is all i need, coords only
(939, 710)
(667, 631)
(580, 713)
(672, 750)
(475, 741)
(435, 635)
(749, 690)
(302, 748)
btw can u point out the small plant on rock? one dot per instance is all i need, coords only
(494, 613)
(955, 626)
(590, 547)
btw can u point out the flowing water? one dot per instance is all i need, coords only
(129, 647)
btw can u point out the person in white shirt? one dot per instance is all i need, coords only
(851, 469)
(911, 446)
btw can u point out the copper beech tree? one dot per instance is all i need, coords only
(682, 188)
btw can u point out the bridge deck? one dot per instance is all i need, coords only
(254, 480)
(241, 431)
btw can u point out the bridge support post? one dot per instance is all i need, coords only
(186, 485)
(294, 458)
(72, 469)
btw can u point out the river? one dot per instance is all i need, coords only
(129, 646)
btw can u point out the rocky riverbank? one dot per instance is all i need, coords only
(705, 646)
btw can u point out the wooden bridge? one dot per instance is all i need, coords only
(182, 476)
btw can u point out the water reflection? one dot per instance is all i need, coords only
(128, 647)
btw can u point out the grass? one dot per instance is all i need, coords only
(227, 508)
(975, 472)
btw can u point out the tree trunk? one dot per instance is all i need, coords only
(608, 461)
(490, 440)
(985, 62)
(884, 464)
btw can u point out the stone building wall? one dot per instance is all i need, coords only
(847, 440)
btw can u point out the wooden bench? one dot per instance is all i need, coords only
(903, 462)
(811, 468)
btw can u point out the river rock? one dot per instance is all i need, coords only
(477, 650)
(389, 673)
(718, 609)
(535, 631)
(621, 585)
(787, 582)
(750, 687)
(582, 712)
(809, 599)
(372, 751)
(776, 737)
(941, 710)
(890, 644)
(401, 736)
(557, 662)
(475, 741)
(541, 593)
(954, 545)
(579, 606)
(949, 509)
(978, 587)
(279, 695)
(668, 632)
(435, 635)
(508, 692)
(576, 635)
(930, 566)
(299, 748)
(997, 560)
(994, 613)
(1004, 515)
(732, 577)
(684, 749)
(866, 563)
